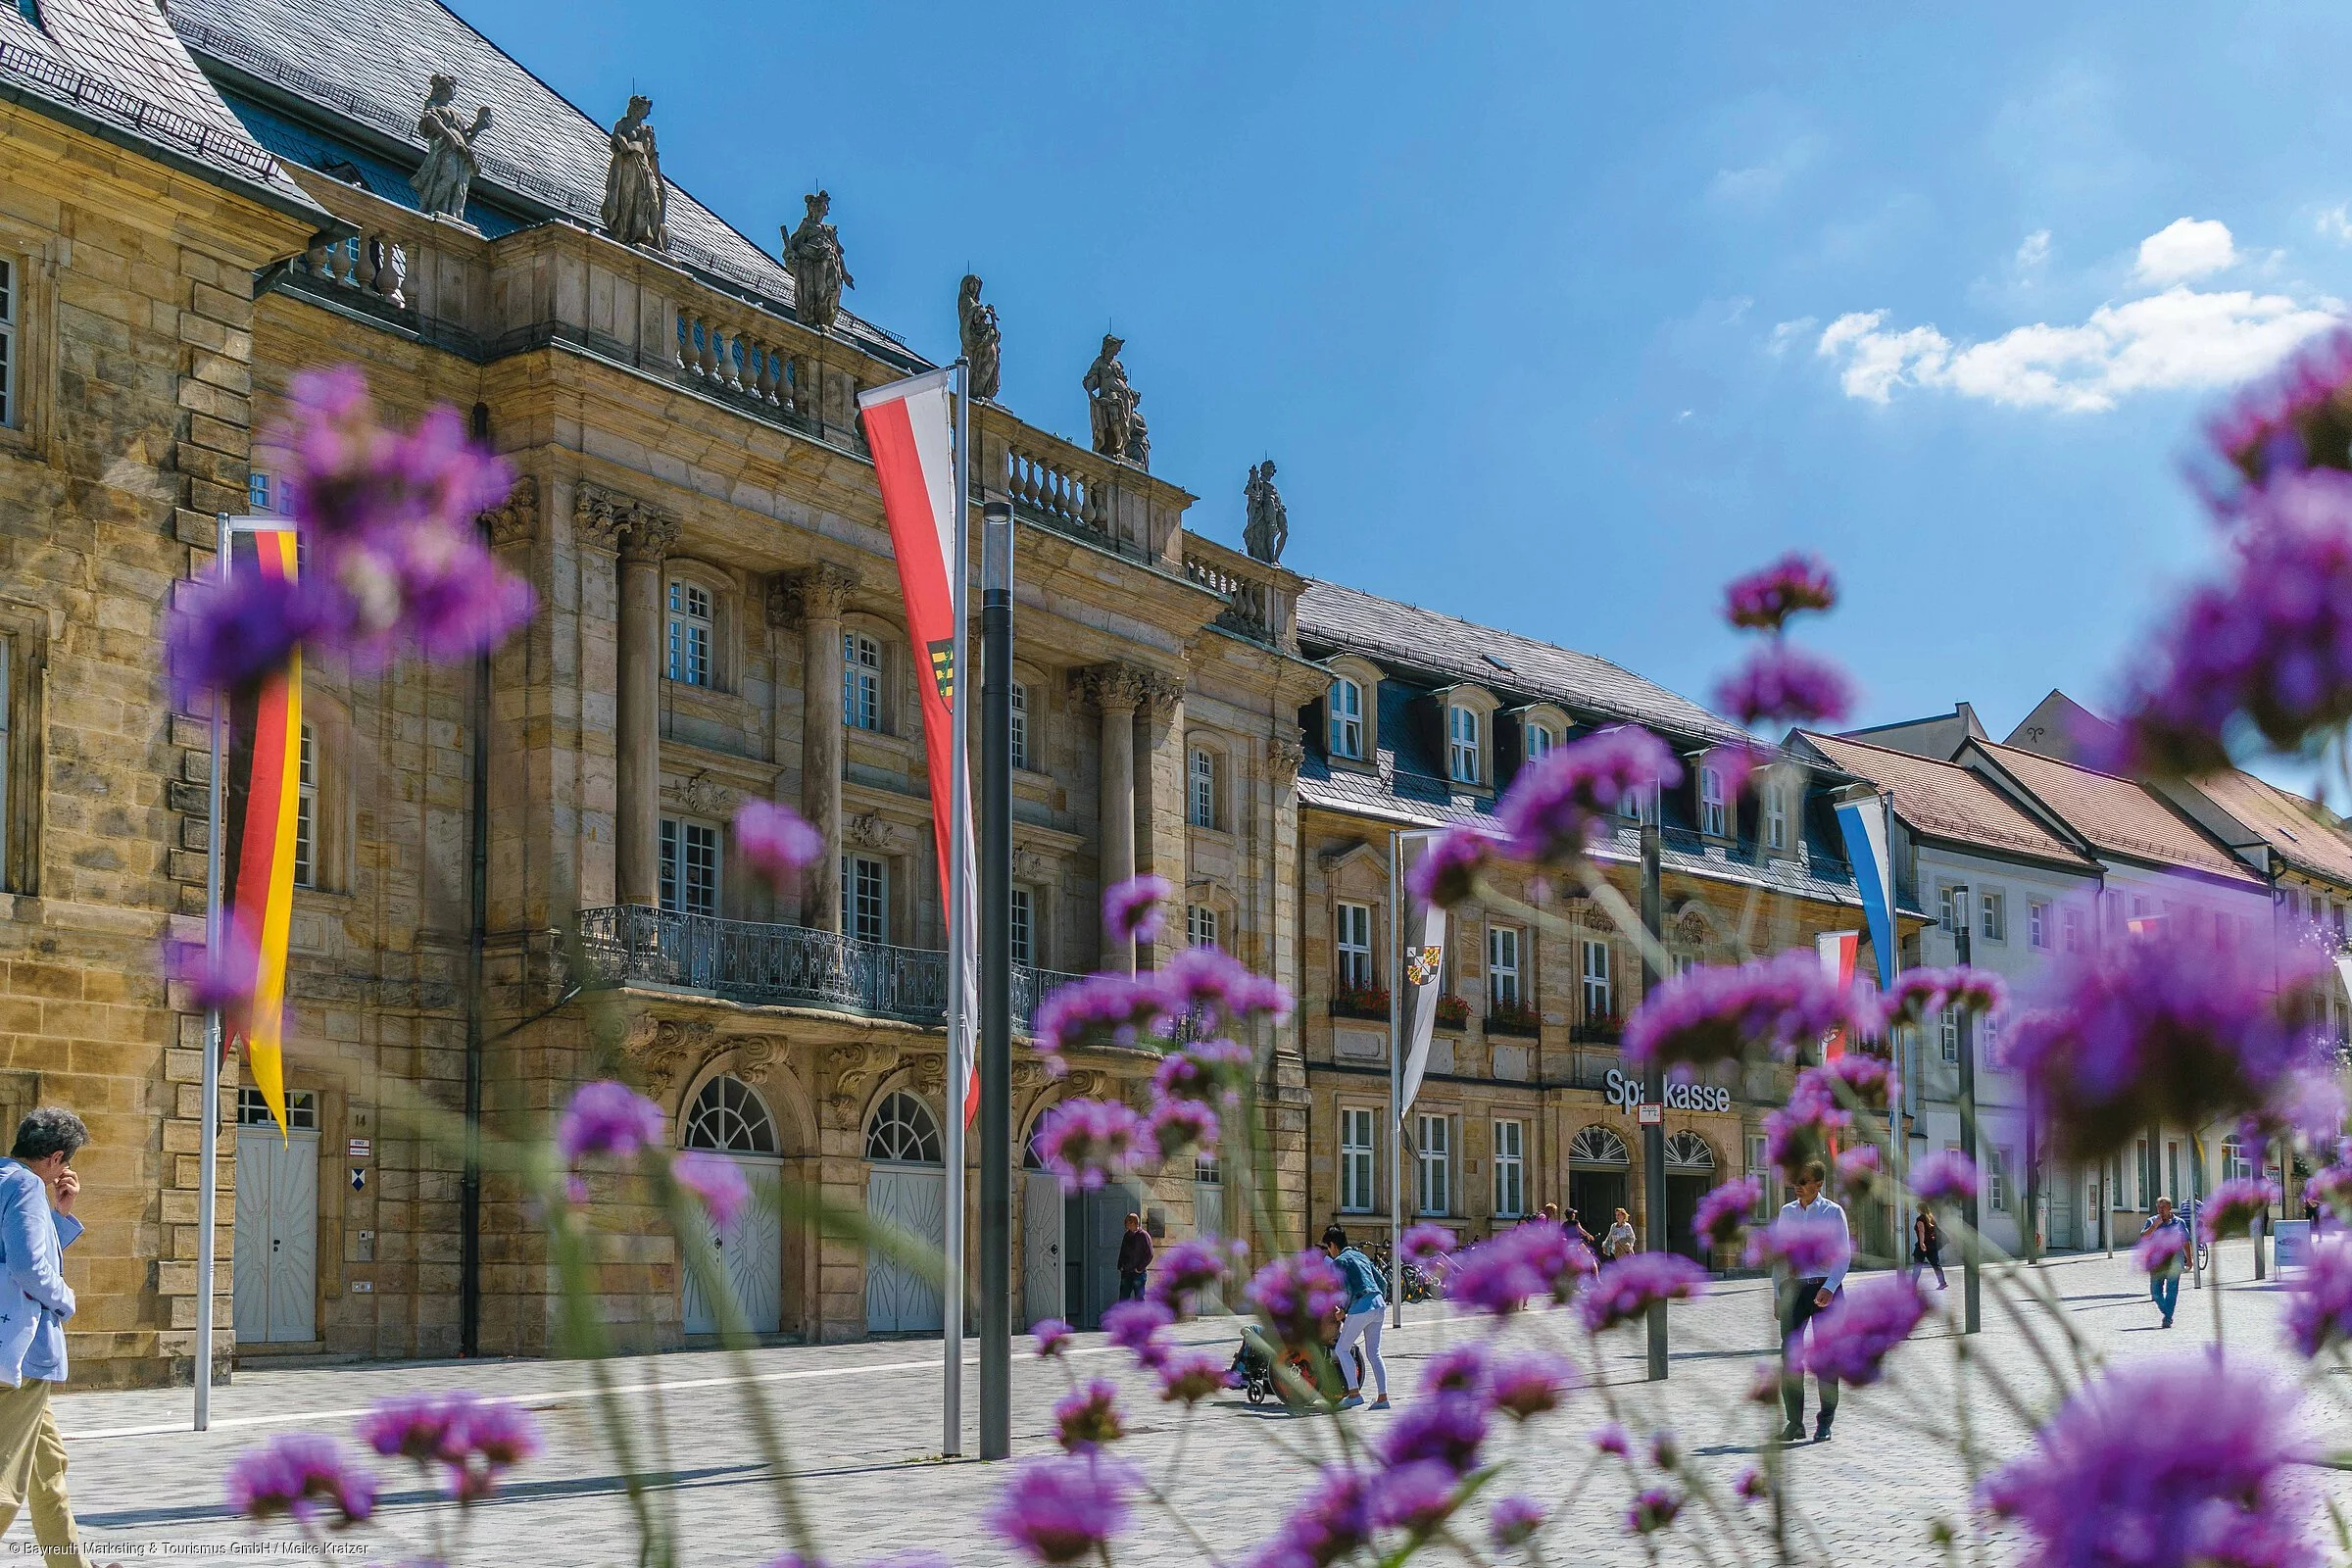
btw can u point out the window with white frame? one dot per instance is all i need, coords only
(1989, 1038)
(1596, 979)
(1433, 1152)
(689, 633)
(1640, 804)
(1502, 965)
(306, 813)
(2037, 925)
(1776, 815)
(689, 868)
(1759, 1166)
(861, 681)
(1203, 787)
(1020, 727)
(1951, 907)
(1538, 743)
(1352, 939)
(9, 355)
(1996, 1179)
(1462, 745)
(1356, 1160)
(1993, 914)
(1200, 925)
(1023, 928)
(1947, 1034)
(2070, 922)
(1347, 719)
(1510, 1169)
(864, 897)
(2236, 1166)
(1712, 818)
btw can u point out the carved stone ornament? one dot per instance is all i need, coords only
(824, 590)
(1163, 691)
(931, 1075)
(636, 210)
(516, 520)
(870, 832)
(1028, 865)
(1119, 428)
(1028, 1075)
(1268, 526)
(607, 520)
(662, 1048)
(813, 255)
(756, 1056)
(705, 796)
(1111, 687)
(449, 169)
(1284, 755)
(976, 329)
(1693, 927)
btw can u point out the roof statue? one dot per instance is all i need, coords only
(1268, 527)
(447, 171)
(1117, 428)
(813, 255)
(636, 202)
(976, 326)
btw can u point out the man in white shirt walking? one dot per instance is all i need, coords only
(1800, 1299)
(38, 1188)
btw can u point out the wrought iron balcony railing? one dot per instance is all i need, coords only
(783, 965)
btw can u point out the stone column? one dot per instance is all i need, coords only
(1116, 690)
(822, 588)
(646, 537)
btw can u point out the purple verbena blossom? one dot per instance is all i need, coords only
(420, 1427)
(1752, 1485)
(2162, 1250)
(1551, 811)
(1052, 1337)
(218, 976)
(714, 1180)
(1525, 1386)
(1780, 683)
(1217, 990)
(1944, 1176)
(1333, 1519)
(1183, 1272)
(1806, 1247)
(1611, 1438)
(292, 1474)
(1513, 1521)
(1499, 1275)
(1851, 1338)
(1764, 599)
(1176, 1125)
(1101, 1009)
(1088, 1143)
(1448, 1428)
(1416, 1496)
(1456, 1369)
(1717, 1013)
(1088, 1417)
(1723, 1213)
(1186, 1377)
(607, 1118)
(1133, 911)
(1654, 1510)
(1799, 1132)
(1859, 1167)
(1921, 993)
(1211, 1071)
(1631, 1286)
(1856, 1077)
(2290, 419)
(1135, 1327)
(2331, 1186)
(2234, 1206)
(1295, 1295)
(1059, 1510)
(1447, 871)
(2318, 1296)
(1424, 1244)
(1665, 1449)
(776, 842)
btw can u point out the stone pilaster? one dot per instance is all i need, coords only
(822, 591)
(1117, 691)
(644, 536)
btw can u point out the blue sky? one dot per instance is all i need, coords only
(1557, 316)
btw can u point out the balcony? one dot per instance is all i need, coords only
(783, 965)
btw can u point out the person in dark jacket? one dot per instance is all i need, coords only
(1135, 1259)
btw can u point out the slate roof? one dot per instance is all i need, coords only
(2297, 831)
(369, 63)
(117, 62)
(1943, 800)
(1407, 637)
(2116, 814)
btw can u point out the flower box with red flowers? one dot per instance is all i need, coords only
(1360, 1002)
(1597, 1032)
(1453, 1012)
(1513, 1018)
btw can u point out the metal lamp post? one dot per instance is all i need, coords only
(995, 981)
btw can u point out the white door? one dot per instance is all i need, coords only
(914, 1200)
(1208, 1223)
(1040, 1246)
(751, 1251)
(274, 1272)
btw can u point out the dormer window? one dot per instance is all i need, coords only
(1462, 761)
(1711, 813)
(1538, 743)
(1776, 815)
(1640, 804)
(1347, 719)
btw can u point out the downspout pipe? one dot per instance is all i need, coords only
(478, 903)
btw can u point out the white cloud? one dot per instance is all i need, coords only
(2185, 248)
(2178, 339)
(2335, 222)
(1786, 334)
(2033, 250)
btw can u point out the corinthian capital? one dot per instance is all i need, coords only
(516, 520)
(1111, 687)
(607, 520)
(824, 590)
(650, 536)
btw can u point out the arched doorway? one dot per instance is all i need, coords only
(1689, 1172)
(728, 1117)
(907, 1188)
(1041, 1238)
(1598, 1163)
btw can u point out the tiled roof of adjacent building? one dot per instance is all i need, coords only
(369, 62)
(1392, 633)
(2298, 832)
(2116, 814)
(1940, 800)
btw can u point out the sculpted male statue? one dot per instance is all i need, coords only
(447, 171)
(1268, 526)
(1118, 430)
(636, 202)
(813, 255)
(977, 325)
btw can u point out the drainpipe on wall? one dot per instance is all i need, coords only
(477, 901)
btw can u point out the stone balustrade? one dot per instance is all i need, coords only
(1059, 485)
(735, 355)
(1260, 599)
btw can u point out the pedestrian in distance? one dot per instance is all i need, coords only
(1135, 1259)
(1552, 1213)
(1575, 1229)
(2163, 1280)
(1926, 1247)
(1801, 1299)
(1366, 1307)
(1621, 1237)
(37, 1190)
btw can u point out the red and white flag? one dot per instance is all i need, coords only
(1837, 950)
(910, 427)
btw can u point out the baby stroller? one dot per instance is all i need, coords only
(1252, 1370)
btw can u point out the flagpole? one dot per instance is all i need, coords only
(208, 1176)
(959, 932)
(1396, 1083)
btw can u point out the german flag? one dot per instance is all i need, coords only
(264, 786)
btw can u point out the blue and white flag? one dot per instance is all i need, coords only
(1868, 828)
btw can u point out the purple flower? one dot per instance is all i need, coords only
(1807, 1248)
(1549, 813)
(1717, 1013)
(421, 1427)
(1857, 1077)
(500, 1434)
(1859, 1167)
(1631, 1286)
(1851, 1339)
(227, 636)
(1799, 1132)
(2165, 1463)
(1665, 1449)
(1214, 989)
(1763, 1383)
(1132, 909)
(1611, 1438)
(607, 1118)
(2319, 1297)
(293, 1473)
(1652, 1510)
(1176, 1125)
(2163, 1250)
(220, 980)
(2234, 1206)
(1295, 1295)
(1134, 1327)
(1053, 1336)
(1734, 763)
(1751, 1487)
(1782, 684)
(1456, 1369)
(1723, 1213)
(2162, 1028)
(1513, 1521)
(2331, 1186)
(1186, 1377)
(1921, 993)
(1059, 1510)
(1447, 871)
(474, 1441)
(1763, 600)
(1527, 1386)
(2289, 419)
(1186, 1270)
(1415, 1498)
(714, 1179)
(1087, 1418)
(1333, 1519)
(1424, 1244)
(1102, 1009)
(1211, 1071)
(1944, 1176)
(1088, 1143)
(776, 842)
(1499, 1275)
(1446, 1429)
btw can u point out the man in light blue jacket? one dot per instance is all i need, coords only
(38, 1188)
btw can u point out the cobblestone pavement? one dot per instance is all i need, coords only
(862, 1424)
